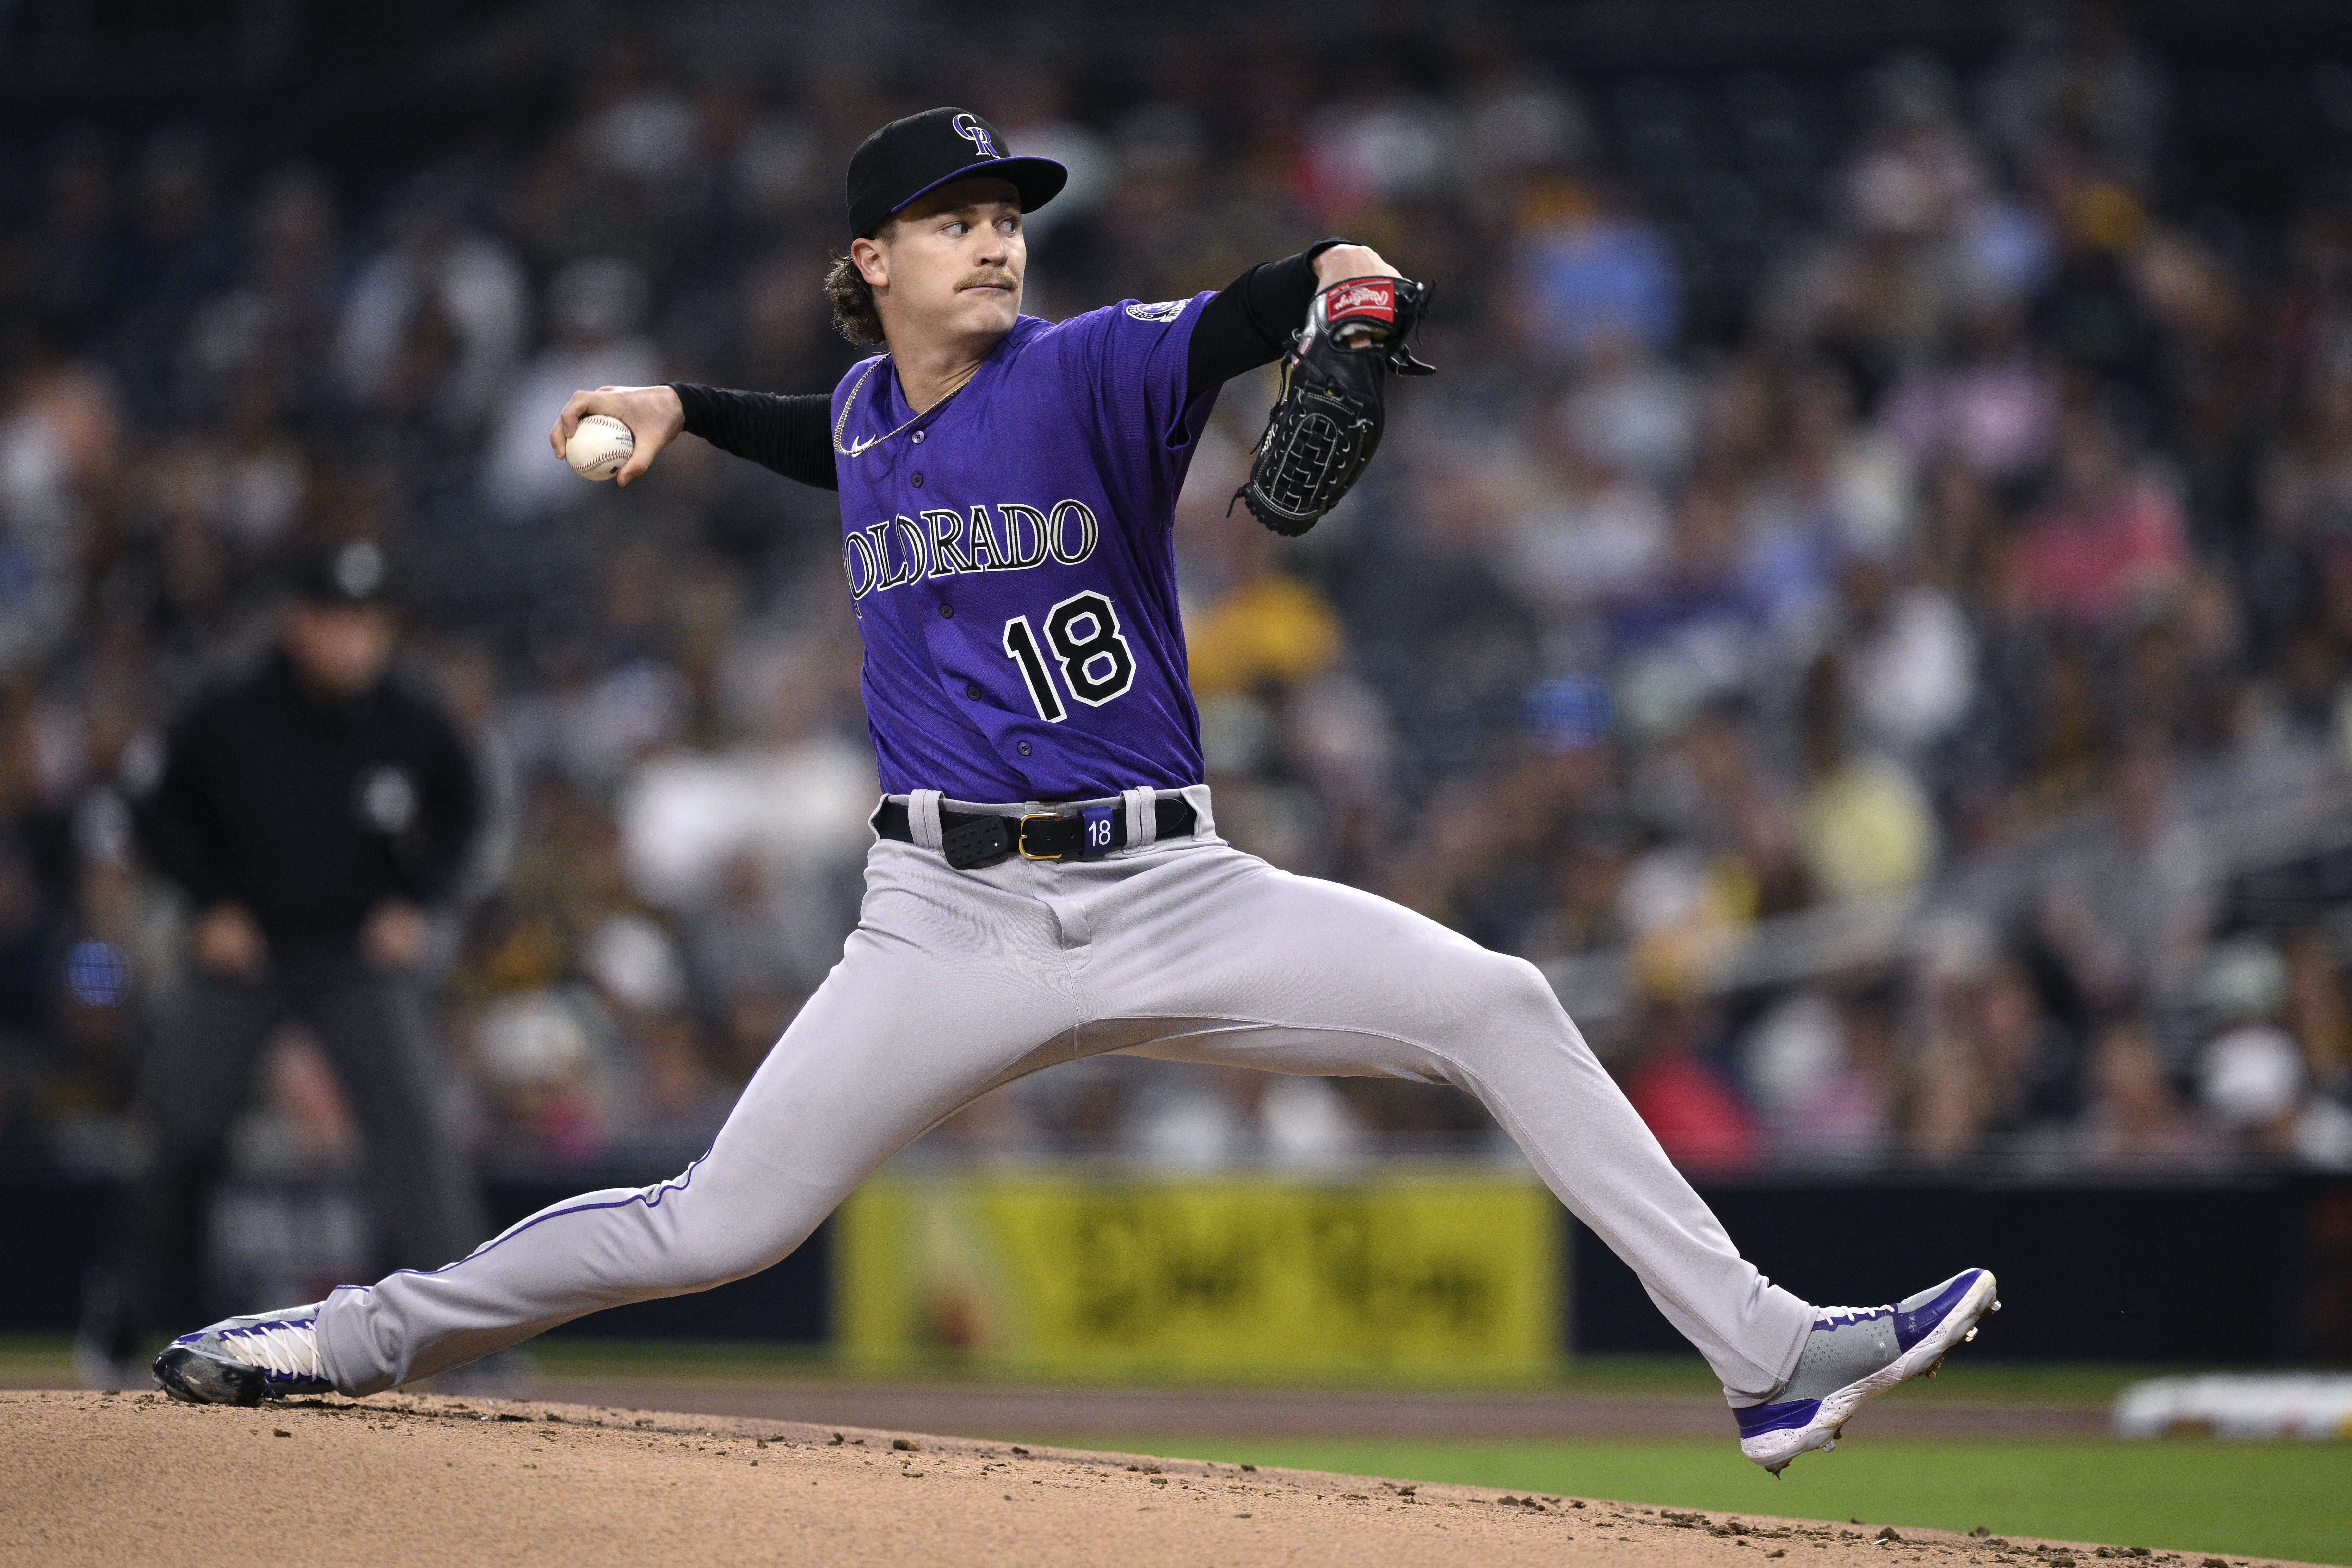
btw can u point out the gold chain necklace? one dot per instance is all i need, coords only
(841, 425)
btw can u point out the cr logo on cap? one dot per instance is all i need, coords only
(969, 127)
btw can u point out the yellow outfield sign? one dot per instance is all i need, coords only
(1437, 1274)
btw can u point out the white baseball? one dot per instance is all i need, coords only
(600, 446)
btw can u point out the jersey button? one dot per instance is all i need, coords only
(947, 612)
(918, 478)
(918, 438)
(1024, 748)
(972, 689)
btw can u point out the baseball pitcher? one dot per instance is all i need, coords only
(1047, 881)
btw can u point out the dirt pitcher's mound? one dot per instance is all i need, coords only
(122, 1479)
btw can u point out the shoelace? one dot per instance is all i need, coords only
(1849, 1314)
(289, 1348)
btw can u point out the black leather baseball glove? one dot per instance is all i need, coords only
(1325, 424)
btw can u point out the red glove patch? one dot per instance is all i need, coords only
(1368, 301)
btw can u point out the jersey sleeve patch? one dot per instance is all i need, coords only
(1166, 311)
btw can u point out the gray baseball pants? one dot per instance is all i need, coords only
(957, 982)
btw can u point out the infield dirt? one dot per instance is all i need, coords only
(127, 1478)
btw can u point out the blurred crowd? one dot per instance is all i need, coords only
(1899, 502)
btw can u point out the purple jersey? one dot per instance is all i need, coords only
(1012, 560)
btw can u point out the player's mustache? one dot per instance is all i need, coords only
(992, 280)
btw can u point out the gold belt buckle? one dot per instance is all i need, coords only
(1020, 834)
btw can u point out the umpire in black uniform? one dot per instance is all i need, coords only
(311, 811)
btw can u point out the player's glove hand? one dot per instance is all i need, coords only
(1326, 424)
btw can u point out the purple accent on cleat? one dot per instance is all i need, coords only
(1856, 1354)
(291, 1382)
(243, 1361)
(1916, 1324)
(1757, 1419)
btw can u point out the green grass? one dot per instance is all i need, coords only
(1969, 1380)
(2275, 1500)
(36, 1359)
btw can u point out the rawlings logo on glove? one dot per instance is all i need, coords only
(1364, 299)
(1327, 421)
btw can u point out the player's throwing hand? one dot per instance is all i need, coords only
(653, 414)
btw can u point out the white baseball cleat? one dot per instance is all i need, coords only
(1855, 1352)
(244, 1360)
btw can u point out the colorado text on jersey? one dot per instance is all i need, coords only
(945, 543)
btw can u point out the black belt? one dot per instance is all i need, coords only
(972, 839)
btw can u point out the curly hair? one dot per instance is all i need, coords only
(855, 316)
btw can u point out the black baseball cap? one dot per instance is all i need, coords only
(342, 572)
(910, 157)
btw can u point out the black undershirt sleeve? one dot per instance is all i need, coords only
(1250, 321)
(792, 433)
